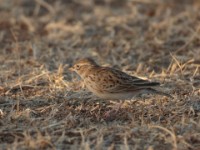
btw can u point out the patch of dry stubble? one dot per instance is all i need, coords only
(41, 104)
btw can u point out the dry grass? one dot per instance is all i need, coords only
(41, 106)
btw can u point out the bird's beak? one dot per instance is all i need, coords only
(71, 69)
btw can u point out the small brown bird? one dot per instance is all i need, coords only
(109, 83)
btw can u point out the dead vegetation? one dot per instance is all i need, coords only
(41, 105)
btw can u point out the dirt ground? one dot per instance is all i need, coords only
(41, 103)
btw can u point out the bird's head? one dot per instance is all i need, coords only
(83, 65)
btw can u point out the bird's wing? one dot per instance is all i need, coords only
(134, 80)
(114, 81)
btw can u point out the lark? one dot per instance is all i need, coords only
(112, 84)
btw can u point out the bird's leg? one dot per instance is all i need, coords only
(114, 110)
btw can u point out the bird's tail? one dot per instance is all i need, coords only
(150, 90)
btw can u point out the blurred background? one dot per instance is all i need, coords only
(122, 33)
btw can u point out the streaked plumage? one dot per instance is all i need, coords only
(109, 83)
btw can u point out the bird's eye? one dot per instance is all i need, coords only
(77, 67)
